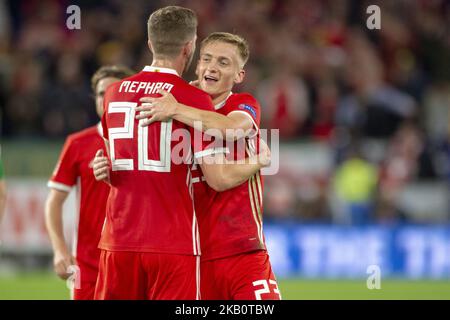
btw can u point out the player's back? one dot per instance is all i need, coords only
(150, 208)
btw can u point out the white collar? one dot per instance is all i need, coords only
(158, 69)
(221, 104)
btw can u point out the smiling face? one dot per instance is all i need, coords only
(219, 68)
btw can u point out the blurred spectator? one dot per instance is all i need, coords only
(285, 103)
(279, 200)
(399, 167)
(323, 121)
(437, 111)
(312, 200)
(400, 164)
(354, 184)
(371, 101)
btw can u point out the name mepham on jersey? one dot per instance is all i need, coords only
(144, 87)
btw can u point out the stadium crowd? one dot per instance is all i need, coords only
(377, 99)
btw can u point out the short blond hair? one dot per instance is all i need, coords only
(170, 28)
(234, 39)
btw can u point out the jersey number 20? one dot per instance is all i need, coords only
(127, 132)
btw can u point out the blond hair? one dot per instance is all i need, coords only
(234, 39)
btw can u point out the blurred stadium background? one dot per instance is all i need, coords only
(363, 117)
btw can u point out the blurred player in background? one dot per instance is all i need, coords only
(150, 242)
(74, 168)
(2, 190)
(235, 263)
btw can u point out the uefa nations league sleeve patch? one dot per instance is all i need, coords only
(249, 109)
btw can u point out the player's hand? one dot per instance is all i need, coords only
(264, 155)
(62, 260)
(101, 167)
(157, 109)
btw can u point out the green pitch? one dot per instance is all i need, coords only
(47, 286)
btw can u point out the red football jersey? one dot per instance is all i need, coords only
(150, 208)
(231, 221)
(75, 168)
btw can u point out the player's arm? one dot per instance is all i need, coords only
(230, 127)
(2, 198)
(54, 223)
(221, 174)
(2, 193)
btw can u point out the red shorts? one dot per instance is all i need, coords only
(147, 276)
(245, 276)
(82, 282)
(84, 292)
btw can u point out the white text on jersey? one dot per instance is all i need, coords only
(144, 87)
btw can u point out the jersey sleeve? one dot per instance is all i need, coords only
(205, 145)
(248, 105)
(66, 171)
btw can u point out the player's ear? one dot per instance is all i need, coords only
(185, 50)
(240, 76)
(189, 47)
(150, 46)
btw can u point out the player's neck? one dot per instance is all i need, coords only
(216, 99)
(170, 64)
